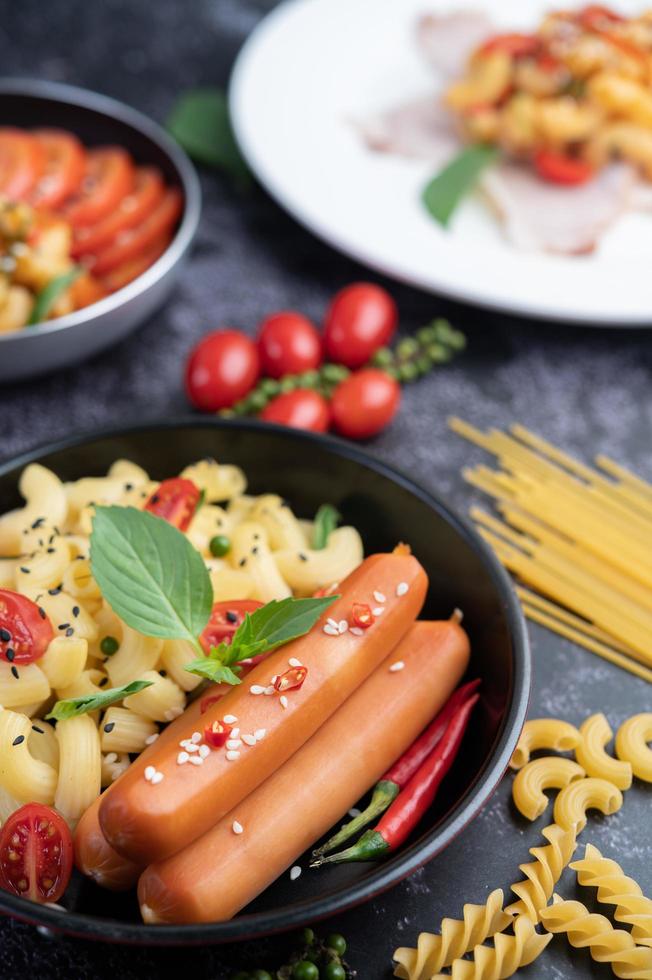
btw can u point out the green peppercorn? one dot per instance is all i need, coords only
(423, 364)
(270, 387)
(309, 379)
(260, 975)
(438, 354)
(333, 971)
(288, 383)
(257, 400)
(334, 373)
(383, 357)
(219, 546)
(336, 942)
(457, 340)
(241, 407)
(307, 936)
(305, 970)
(407, 372)
(407, 347)
(426, 335)
(109, 646)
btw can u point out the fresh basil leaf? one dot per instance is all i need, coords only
(213, 670)
(326, 520)
(445, 191)
(73, 707)
(48, 296)
(200, 122)
(150, 574)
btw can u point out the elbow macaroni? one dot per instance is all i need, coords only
(591, 754)
(544, 733)
(550, 772)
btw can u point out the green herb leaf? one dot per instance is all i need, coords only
(73, 707)
(200, 122)
(326, 520)
(150, 574)
(48, 296)
(214, 671)
(445, 191)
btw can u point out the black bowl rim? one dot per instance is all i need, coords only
(406, 862)
(113, 109)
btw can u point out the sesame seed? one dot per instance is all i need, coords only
(35, 728)
(18, 740)
(204, 751)
(24, 570)
(37, 523)
(111, 758)
(70, 631)
(182, 758)
(402, 588)
(274, 679)
(151, 739)
(236, 743)
(295, 872)
(5, 635)
(10, 653)
(103, 682)
(399, 665)
(270, 689)
(196, 760)
(242, 562)
(232, 617)
(378, 611)
(293, 662)
(354, 812)
(150, 772)
(156, 778)
(284, 701)
(247, 739)
(75, 611)
(235, 732)
(41, 612)
(14, 671)
(63, 626)
(260, 734)
(50, 551)
(230, 719)
(257, 689)
(232, 756)
(54, 591)
(303, 557)
(331, 630)
(110, 725)
(190, 746)
(332, 622)
(195, 737)
(379, 597)
(237, 827)
(356, 630)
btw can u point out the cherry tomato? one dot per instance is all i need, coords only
(515, 45)
(558, 168)
(365, 403)
(289, 344)
(132, 242)
(224, 621)
(36, 853)
(175, 501)
(360, 319)
(132, 210)
(21, 162)
(25, 630)
(301, 409)
(222, 369)
(109, 177)
(65, 165)
(123, 274)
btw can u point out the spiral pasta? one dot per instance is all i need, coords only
(632, 745)
(544, 733)
(549, 772)
(542, 874)
(616, 888)
(582, 795)
(504, 958)
(591, 754)
(596, 933)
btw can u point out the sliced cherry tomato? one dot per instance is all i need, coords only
(86, 290)
(123, 274)
(558, 168)
(222, 369)
(25, 630)
(217, 733)
(289, 344)
(360, 319)
(596, 17)
(365, 403)
(175, 501)
(131, 242)
(301, 409)
(291, 679)
(362, 616)
(36, 853)
(109, 177)
(21, 163)
(515, 45)
(224, 621)
(64, 168)
(132, 210)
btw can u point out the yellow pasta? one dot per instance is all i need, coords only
(8, 804)
(44, 569)
(596, 933)
(44, 497)
(504, 958)
(63, 608)
(80, 767)
(306, 570)
(590, 753)
(250, 551)
(175, 654)
(28, 684)
(64, 660)
(123, 730)
(162, 701)
(23, 776)
(42, 742)
(220, 482)
(207, 522)
(542, 874)
(586, 794)
(230, 583)
(614, 888)
(544, 733)
(632, 744)
(78, 581)
(549, 772)
(283, 529)
(137, 654)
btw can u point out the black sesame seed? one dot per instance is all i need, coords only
(42, 613)
(103, 682)
(75, 611)
(51, 538)
(163, 673)
(18, 740)
(256, 537)
(70, 631)
(110, 725)
(155, 498)
(254, 550)
(14, 671)
(5, 635)
(10, 654)
(24, 570)
(37, 523)
(54, 591)
(128, 487)
(242, 562)
(302, 556)
(40, 731)
(50, 551)
(63, 626)
(232, 617)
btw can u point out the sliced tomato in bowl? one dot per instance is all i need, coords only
(25, 630)
(64, 168)
(108, 178)
(123, 274)
(133, 241)
(176, 501)
(132, 210)
(22, 161)
(36, 853)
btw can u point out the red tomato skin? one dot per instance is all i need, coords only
(301, 409)
(288, 344)
(30, 632)
(175, 501)
(50, 864)
(558, 168)
(365, 403)
(515, 45)
(360, 319)
(221, 369)
(219, 627)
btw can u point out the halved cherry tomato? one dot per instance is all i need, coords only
(301, 409)
(365, 403)
(21, 162)
(133, 241)
(109, 177)
(175, 501)
(221, 369)
(132, 210)
(558, 168)
(224, 621)
(123, 274)
(36, 853)
(360, 319)
(515, 45)
(25, 630)
(289, 344)
(64, 168)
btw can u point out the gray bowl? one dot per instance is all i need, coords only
(97, 119)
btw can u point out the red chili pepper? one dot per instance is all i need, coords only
(408, 808)
(291, 679)
(326, 590)
(217, 733)
(362, 615)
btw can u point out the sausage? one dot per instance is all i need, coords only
(147, 819)
(222, 871)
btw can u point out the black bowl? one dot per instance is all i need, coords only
(387, 507)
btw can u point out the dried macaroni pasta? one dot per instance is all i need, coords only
(590, 753)
(614, 888)
(582, 795)
(549, 772)
(632, 744)
(544, 733)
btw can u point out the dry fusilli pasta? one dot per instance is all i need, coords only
(542, 874)
(615, 888)
(504, 958)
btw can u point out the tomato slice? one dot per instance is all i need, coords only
(516, 45)
(64, 168)
(147, 191)
(21, 162)
(36, 853)
(175, 501)
(558, 168)
(25, 630)
(123, 274)
(109, 176)
(224, 621)
(133, 241)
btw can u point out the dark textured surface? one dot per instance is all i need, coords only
(588, 391)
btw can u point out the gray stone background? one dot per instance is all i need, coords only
(586, 390)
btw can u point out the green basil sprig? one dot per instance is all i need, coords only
(73, 707)
(326, 520)
(48, 296)
(452, 184)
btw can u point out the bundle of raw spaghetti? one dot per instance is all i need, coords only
(580, 538)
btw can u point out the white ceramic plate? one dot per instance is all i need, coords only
(312, 66)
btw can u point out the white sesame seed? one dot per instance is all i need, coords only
(354, 812)
(182, 757)
(284, 701)
(293, 662)
(356, 630)
(111, 757)
(117, 771)
(342, 626)
(237, 827)
(230, 719)
(235, 732)
(234, 743)
(191, 747)
(270, 689)
(196, 737)
(331, 622)
(295, 872)
(378, 611)
(330, 630)
(402, 588)
(379, 597)
(247, 739)
(150, 772)
(204, 751)
(399, 665)
(260, 734)
(156, 778)
(196, 760)
(257, 689)
(151, 739)
(232, 756)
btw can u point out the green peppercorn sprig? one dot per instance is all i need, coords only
(314, 959)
